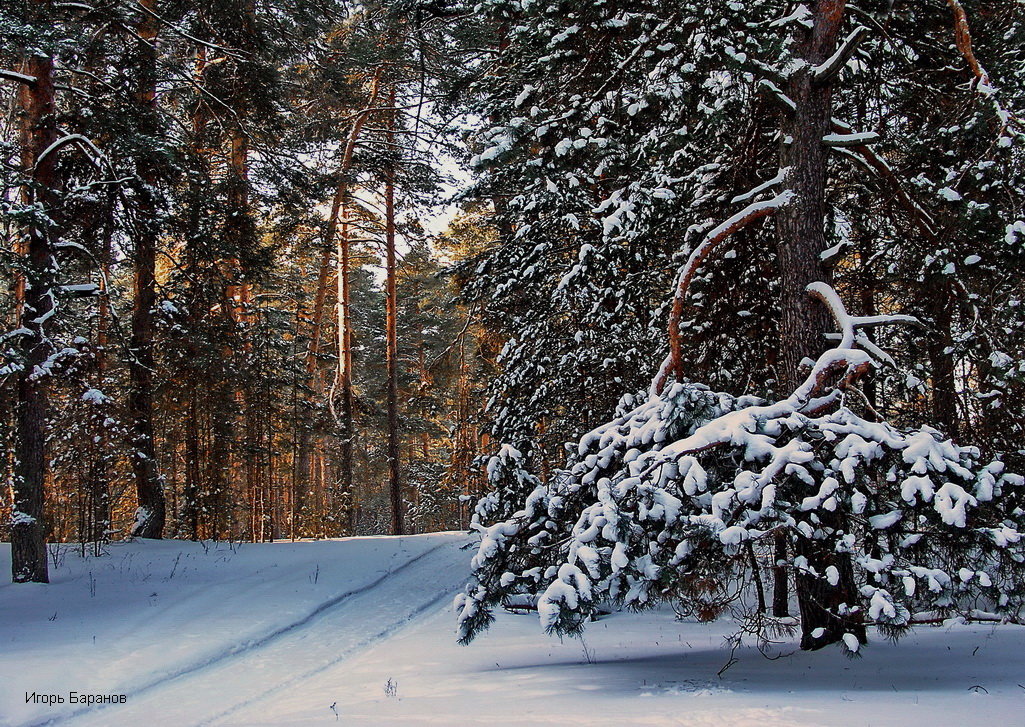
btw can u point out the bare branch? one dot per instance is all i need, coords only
(740, 220)
(963, 41)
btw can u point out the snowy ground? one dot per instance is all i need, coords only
(359, 631)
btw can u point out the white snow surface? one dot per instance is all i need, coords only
(359, 631)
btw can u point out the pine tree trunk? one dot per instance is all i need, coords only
(197, 480)
(868, 306)
(239, 234)
(302, 466)
(391, 310)
(191, 506)
(804, 322)
(151, 515)
(301, 476)
(756, 575)
(338, 202)
(38, 133)
(99, 477)
(345, 364)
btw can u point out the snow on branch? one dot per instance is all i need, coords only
(740, 220)
(801, 15)
(90, 150)
(872, 321)
(866, 155)
(768, 184)
(827, 296)
(18, 77)
(849, 140)
(843, 364)
(81, 290)
(849, 324)
(637, 52)
(825, 72)
(777, 93)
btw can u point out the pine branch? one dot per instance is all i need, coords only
(828, 70)
(850, 140)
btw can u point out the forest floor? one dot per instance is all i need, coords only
(360, 631)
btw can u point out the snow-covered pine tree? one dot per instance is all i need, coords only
(933, 231)
(606, 156)
(882, 521)
(676, 487)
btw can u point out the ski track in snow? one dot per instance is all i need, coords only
(179, 687)
(366, 643)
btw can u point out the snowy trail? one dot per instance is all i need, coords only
(358, 632)
(332, 632)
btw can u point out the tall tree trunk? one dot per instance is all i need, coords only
(302, 466)
(196, 493)
(36, 305)
(867, 294)
(345, 363)
(151, 513)
(305, 449)
(193, 478)
(99, 477)
(391, 333)
(242, 243)
(804, 322)
(240, 239)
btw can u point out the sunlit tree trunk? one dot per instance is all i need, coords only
(340, 244)
(391, 334)
(345, 418)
